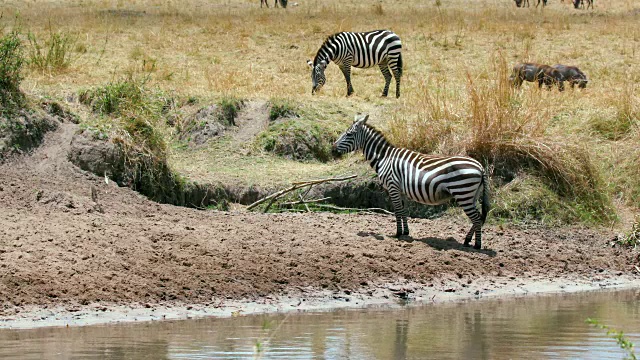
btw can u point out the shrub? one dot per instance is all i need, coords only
(631, 238)
(229, 107)
(11, 62)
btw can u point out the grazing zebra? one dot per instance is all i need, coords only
(361, 50)
(282, 2)
(428, 179)
(580, 4)
(520, 3)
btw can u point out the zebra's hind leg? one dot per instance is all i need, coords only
(467, 239)
(405, 225)
(469, 207)
(384, 67)
(477, 230)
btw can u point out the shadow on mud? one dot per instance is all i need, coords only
(448, 244)
(372, 234)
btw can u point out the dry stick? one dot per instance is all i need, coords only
(295, 186)
(373, 210)
(304, 201)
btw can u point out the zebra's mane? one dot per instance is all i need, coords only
(328, 39)
(379, 133)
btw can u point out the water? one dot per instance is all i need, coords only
(547, 327)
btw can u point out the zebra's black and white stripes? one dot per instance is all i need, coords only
(428, 179)
(361, 50)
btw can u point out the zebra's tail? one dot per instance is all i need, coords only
(399, 65)
(485, 198)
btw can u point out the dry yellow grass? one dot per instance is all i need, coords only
(216, 48)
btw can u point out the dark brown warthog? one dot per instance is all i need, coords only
(543, 74)
(573, 75)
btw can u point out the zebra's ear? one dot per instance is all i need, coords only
(361, 119)
(310, 63)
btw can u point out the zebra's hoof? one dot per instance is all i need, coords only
(466, 244)
(477, 246)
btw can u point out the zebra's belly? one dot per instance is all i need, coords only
(439, 199)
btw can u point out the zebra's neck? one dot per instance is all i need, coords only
(327, 51)
(375, 145)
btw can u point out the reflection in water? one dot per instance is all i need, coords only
(543, 327)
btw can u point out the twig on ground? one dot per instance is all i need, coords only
(302, 201)
(271, 198)
(368, 210)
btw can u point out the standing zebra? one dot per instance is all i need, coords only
(361, 50)
(428, 179)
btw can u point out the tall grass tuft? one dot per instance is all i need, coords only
(138, 108)
(508, 132)
(626, 118)
(433, 125)
(506, 129)
(54, 55)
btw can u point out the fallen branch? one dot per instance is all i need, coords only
(271, 198)
(312, 201)
(370, 210)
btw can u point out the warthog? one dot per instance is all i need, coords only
(543, 74)
(573, 75)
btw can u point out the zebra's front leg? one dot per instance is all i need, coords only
(346, 70)
(400, 209)
(384, 67)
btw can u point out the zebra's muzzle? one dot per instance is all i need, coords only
(335, 153)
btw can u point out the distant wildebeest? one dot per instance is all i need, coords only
(282, 2)
(520, 3)
(542, 74)
(580, 4)
(573, 75)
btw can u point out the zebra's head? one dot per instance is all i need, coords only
(350, 140)
(317, 75)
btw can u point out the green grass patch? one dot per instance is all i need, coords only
(298, 140)
(282, 108)
(137, 108)
(528, 200)
(613, 128)
(632, 237)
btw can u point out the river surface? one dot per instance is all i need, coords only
(543, 327)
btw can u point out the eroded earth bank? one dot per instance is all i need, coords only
(68, 252)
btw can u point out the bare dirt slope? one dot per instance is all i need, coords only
(58, 246)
